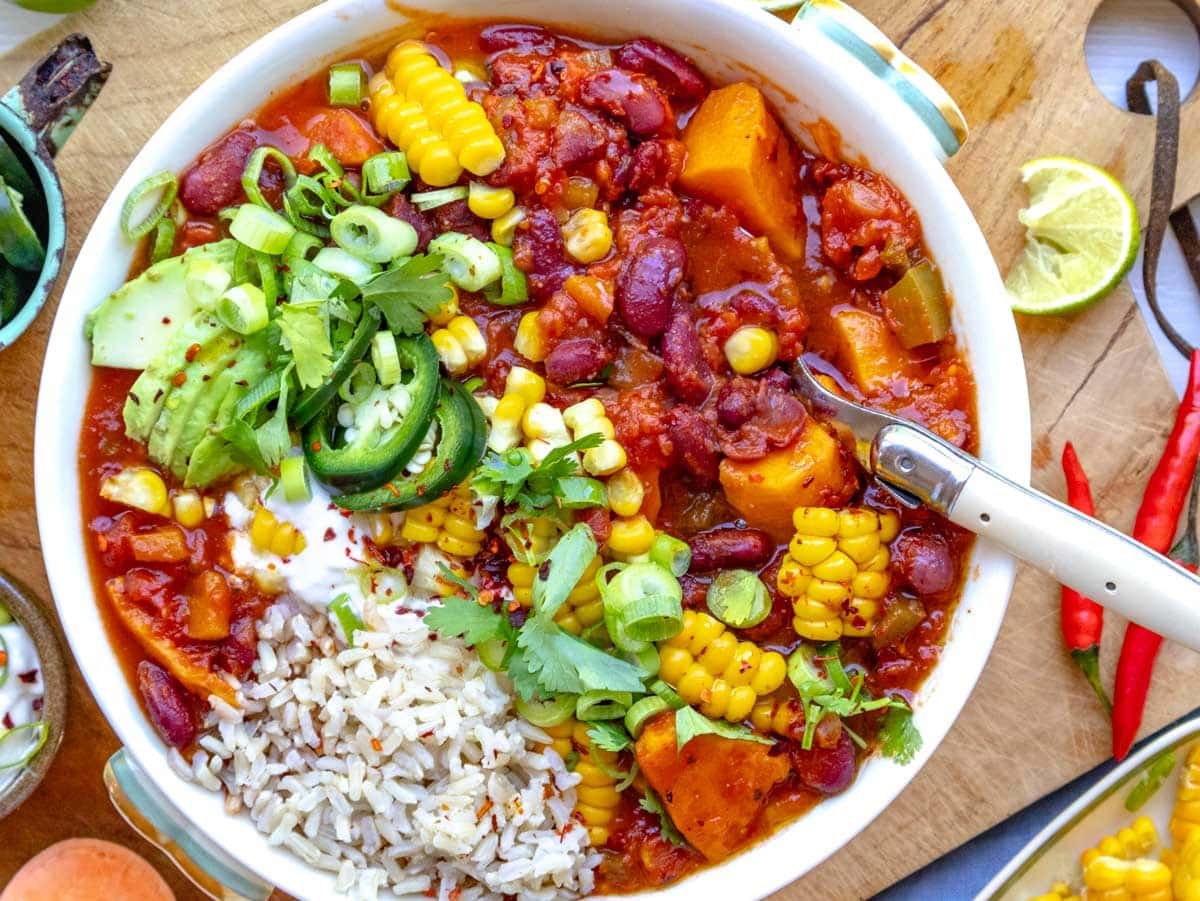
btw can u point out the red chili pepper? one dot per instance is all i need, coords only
(1157, 520)
(1082, 618)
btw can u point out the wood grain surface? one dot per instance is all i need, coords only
(1017, 69)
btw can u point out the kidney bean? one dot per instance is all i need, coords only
(215, 181)
(539, 252)
(688, 373)
(577, 138)
(238, 652)
(647, 283)
(400, 207)
(922, 561)
(695, 593)
(695, 444)
(825, 770)
(495, 38)
(730, 548)
(631, 98)
(656, 162)
(577, 360)
(167, 704)
(457, 217)
(736, 403)
(674, 72)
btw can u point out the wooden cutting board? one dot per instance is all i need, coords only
(1017, 69)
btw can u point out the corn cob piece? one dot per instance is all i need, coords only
(425, 112)
(583, 608)
(448, 522)
(1185, 818)
(1113, 879)
(597, 794)
(836, 570)
(1134, 841)
(711, 669)
(783, 716)
(270, 534)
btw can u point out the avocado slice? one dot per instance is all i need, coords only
(137, 321)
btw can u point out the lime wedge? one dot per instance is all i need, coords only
(1081, 237)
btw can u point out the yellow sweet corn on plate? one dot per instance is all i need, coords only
(1054, 854)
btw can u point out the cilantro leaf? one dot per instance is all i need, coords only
(899, 737)
(563, 663)
(610, 736)
(305, 332)
(558, 576)
(272, 437)
(652, 804)
(690, 723)
(516, 479)
(469, 620)
(524, 681)
(409, 294)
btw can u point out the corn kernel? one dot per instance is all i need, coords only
(631, 536)
(821, 521)
(605, 459)
(487, 202)
(450, 352)
(526, 384)
(751, 349)
(587, 235)
(506, 423)
(448, 310)
(625, 493)
(505, 227)
(137, 487)
(188, 508)
(530, 341)
(546, 422)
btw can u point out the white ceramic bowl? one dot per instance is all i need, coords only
(830, 67)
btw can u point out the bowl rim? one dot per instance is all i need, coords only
(1008, 449)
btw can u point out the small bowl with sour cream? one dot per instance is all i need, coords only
(33, 693)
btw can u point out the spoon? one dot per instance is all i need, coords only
(921, 469)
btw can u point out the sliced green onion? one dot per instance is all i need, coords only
(308, 197)
(385, 358)
(830, 654)
(548, 712)
(492, 653)
(321, 155)
(164, 240)
(268, 276)
(473, 384)
(602, 705)
(431, 200)
(513, 287)
(803, 673)
(642, 712)
(644, 602)
(359, 385)
(243, 308)
(385, 174)
(645, 658)
(372, 234)
(345, 265)
(261, 229)
(1152, 779)
(671, 554)
(470, 263)
(303, 246)
(738, 598)
(341, 190)
(579, 492)
(166, 186)
(205, 281)
(341, 608)
(347, 84)
(253, 172)
(661, 689)
(21, 744)
(293, 477)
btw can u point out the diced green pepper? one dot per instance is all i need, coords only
(917, 308)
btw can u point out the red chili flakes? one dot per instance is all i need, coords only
(179, 378)
(330, 534)
(316, 446)
(514, 605)
(3, 658)
(377, 745)
(396, 491)
(28, 677)
(483, 811)
(455, 894)
(191, 352)
(166, 320)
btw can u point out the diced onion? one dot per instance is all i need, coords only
(243, 308)
(372, 234)
(253, 172)
(293, 478)
(205, 281)
(593, 706)
(738, 598)
(431, 200)
(261, 229)
(166, 185)
(347, 84)
(548, 712)
(642, 712)
(360, 384)
(671, 554)
(470, 263)
(345, 265)
(385, 358)
(385, 174)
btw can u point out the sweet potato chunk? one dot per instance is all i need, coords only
(813, 471)
(715, 788)
(165, 544)
(739, 157)
(345, 135)
(209, 607)
(868, 350)
(195, 676)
